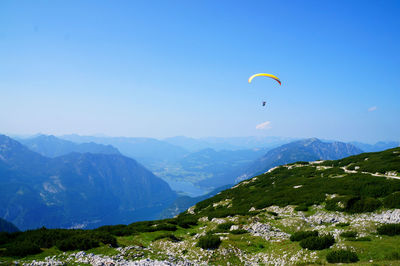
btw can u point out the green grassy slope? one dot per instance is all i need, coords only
(344, 199)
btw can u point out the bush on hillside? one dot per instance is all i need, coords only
(349, 234)
(363, 238)
(389, 229)
(105, 238)
(341, 256)
(342, 224)
(303, 208)
(317, 242)
(337, 204)
(22, 249)
(77, 242)
(169, 236)
(166, 227)
(209, 242)
(186, 221)
(300, 235)
(224, 227)
(358, 205)
(4, 237)
(300, 162)
(392, 201)
(238, 231)
(139, 227)
(117, 230)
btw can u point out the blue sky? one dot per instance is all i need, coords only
(167, 68)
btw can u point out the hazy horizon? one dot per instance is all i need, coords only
(99, 135)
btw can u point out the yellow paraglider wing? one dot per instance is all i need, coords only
(265, 75)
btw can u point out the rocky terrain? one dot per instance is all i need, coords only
(266, 241)
(350, 206)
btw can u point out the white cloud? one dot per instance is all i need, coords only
(373, 108)
(264, 125)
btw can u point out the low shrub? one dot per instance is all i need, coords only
(186, 222)
(166, 227)
(170, 237)
(4, 238)
(336, 204)
(392, 201)
(342, 224)
(302, 162)
(272, 213)
(364, 238)
(117, 230)
(358, 205)
(209, 242)
(225, 226)
(317, 242)
(389, 229)
(64, 239)
(341, 256)
(353, 204)
(77, 242)
(239, 231)
(22, 249)
(105, 238)
(302, 208)
(300, 235)
(349, 234)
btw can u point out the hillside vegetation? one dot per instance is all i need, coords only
(302, 150)
(307, 184)
(343, 211)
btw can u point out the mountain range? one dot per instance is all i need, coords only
(77, 189)
(227, 143)
(194, 166)
(379, 146)
(8, 227)
(51, 146)
(107, 178)
(302, 150)
(145, 150)
(182, 161)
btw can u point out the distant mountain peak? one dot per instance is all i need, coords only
(52, 146)
(310, 141)
(76, 188)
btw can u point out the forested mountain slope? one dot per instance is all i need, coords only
(76, 190)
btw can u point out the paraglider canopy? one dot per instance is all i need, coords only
(265, 75)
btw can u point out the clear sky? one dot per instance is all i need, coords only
(167, 68)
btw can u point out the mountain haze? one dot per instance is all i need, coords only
(228, 143)
(77, 189)
(379, 146)
(148, 151)
(8, 227)
(51, 146)
(303, 150)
